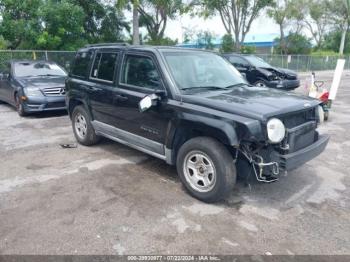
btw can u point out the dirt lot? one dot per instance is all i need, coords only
(110, 199)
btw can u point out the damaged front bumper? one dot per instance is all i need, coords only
(294, 160)
(268, 164)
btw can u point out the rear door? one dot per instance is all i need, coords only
(102, 84)
(91, 80)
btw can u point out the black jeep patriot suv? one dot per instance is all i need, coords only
(192, 109)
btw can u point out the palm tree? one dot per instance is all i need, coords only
(135, 18)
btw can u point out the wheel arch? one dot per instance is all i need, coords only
(74, 102)
(184, 130)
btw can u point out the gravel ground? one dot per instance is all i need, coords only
(109, 199)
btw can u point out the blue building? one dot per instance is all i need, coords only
(264, 43)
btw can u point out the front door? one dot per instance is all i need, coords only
(139, 76)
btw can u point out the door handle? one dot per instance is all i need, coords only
(92, 88)
(120, 98)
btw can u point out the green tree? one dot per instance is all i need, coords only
(155, 14)
(332, 41)
(340, 10)
(102, 22)
(205, 40)
(94, 12)
(227, 45)
(247, 49)
(3, 43)
(318, 20)
(165, 41)
(112, 26)
(281, 13)
(189, 34)
(295, 44)
(59, 30)
(20, 23)
(237, 16)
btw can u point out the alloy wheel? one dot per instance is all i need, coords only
(199, 171)
(80, 126)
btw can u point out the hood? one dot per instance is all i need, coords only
(280, 72)
(253, 102)
(42, 81)
(286, 72)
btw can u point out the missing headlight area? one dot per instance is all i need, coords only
(264, 167)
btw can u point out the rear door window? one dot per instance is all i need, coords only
(81, 64)
(104, 66)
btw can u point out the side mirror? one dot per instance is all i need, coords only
(148, 101)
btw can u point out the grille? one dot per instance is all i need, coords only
(54, 91)
(299, 118)
(301, 136)
(56, 105)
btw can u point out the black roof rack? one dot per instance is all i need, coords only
(107, 44)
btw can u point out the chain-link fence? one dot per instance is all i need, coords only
(304, 63)
(63, 58)
(299, 63)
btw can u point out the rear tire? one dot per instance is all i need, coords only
(83, 130)
(206, 169)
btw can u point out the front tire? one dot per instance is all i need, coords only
(19, 106)
(83, 130)
(260, 84)
(206, 169)
(326, 115)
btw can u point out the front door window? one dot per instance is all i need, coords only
(140, 71)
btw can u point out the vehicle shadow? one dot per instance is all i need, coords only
(290, 190)
(46, 114)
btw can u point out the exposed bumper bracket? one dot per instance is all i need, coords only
(258, 166)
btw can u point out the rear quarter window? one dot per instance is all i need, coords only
(81, 64)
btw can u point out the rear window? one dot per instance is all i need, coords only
(104, 66)
(81, 64)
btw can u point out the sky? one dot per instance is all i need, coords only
(176, 28)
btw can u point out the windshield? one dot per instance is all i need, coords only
(197, 70)
(257, 61)
(26, 69)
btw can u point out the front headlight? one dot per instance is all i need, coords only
(32, 92)
(275, 130)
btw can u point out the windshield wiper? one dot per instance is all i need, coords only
(203, 87)
(236, 85)
(213, 87)
(47, 75)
